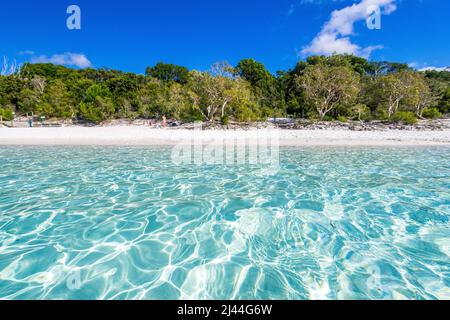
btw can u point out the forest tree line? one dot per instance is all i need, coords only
(338, 87)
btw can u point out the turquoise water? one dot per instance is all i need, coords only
(124, 223)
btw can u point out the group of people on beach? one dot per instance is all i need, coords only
(164, 122)
(172, 122)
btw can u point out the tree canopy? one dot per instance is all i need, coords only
(338, 86)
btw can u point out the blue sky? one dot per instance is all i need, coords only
(130, 35)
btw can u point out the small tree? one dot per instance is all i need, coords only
(424, 97)
(217, 96)
(177, 101)
(213, 89)
(326, 87)
(56, 101)
(393, 89)
(407, 89)
(98, 104)
(360, 110)
(150, 97)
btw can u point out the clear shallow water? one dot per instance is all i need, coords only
(124, 223)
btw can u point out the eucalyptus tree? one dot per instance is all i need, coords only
(327, 87)
(219, 90)
(422, 96)
(404, 90)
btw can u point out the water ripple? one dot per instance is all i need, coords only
(124, 223)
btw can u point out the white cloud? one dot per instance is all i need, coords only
(66, 59)
(335, 34)
(435, 69)
(419, 66)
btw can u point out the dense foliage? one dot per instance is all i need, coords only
(337, 87)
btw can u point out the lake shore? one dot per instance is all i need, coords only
(142, 136)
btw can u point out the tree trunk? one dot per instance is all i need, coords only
(223, 108)
(322, 115)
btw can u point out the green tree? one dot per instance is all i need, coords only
(320, 85)
(168, 72)
(56, 101)
(439, 83)
(266, 88)
(150, 98)
(327, 87)
(98, 105)
(405, 90)
(28, 100)
(217, 91)
(422, 95)
(101, 108)
(10, 88)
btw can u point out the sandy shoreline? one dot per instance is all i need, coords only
(141, 136)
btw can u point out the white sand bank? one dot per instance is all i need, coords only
(128, 135)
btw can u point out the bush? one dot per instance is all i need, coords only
(6, 114)
(195, 117)
(244, 113)
(431, 113)
(89, 113)
(381, 114)
(405, 117)
(225, 120)
(342, 119)
(361, 112)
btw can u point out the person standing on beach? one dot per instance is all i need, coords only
(164, 121)
(30, 122)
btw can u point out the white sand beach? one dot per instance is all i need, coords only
(138, 136)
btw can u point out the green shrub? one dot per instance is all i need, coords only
(244, 113)
(89, 113)
(405, 117)
(192, 117)
(225, 120)
(7, 114)
(313, 116)
(361, 112)
(381, 114)
(431, 113)
(342, 119)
